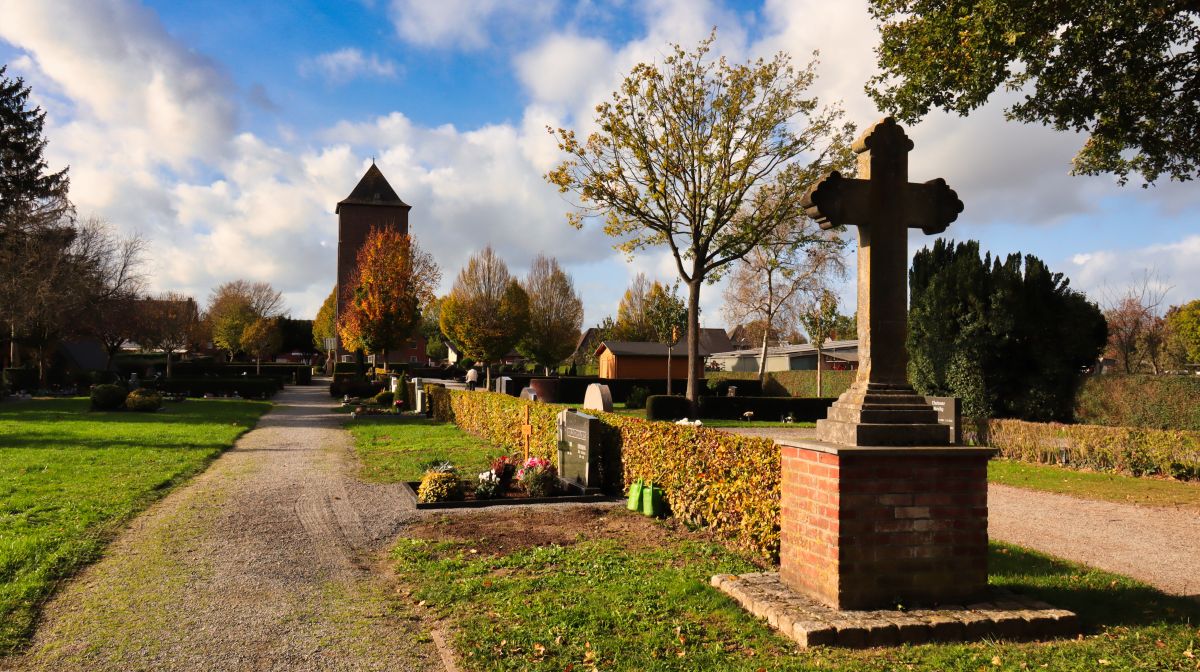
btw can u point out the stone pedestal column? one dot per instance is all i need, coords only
(872, 527)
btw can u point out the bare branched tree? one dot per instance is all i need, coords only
(1136, 328)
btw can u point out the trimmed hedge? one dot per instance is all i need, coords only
(667, 407)
(726, 482)
(765, 408)
(19, 379)
(788, 383)
(246, 387)
(143, 400)
(1152, 402)
(355, 388)
(1124, 450)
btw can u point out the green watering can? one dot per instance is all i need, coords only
(635, 496)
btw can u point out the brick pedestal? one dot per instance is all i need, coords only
(872, 527)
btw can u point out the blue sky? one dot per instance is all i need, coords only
(225, 132)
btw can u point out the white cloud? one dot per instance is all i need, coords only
(1172, 267)
(349, 63)
(466, 24)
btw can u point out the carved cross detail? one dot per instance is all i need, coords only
(883, 204)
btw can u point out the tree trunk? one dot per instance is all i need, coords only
(41, 362)
(819, 368)
(168, 362)
(669, 372)
(762, 362)
(257, 364)
(12, 345)
(487, 376)
(693, 346)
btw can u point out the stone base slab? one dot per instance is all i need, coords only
(1006, 615)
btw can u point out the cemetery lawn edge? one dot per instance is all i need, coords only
(70, 479)
(1145, 491)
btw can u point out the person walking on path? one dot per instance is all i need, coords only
(472, 378)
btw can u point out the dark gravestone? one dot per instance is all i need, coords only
(546, 388)
(579, 456)
(949, 412)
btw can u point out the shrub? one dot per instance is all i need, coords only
(1125, 450)
(784, 383)
(538, 477)
(439, 402)
(384, 398)
(664, 407)
(143, 400)
(439, 486)
(243, 386)
(746, 387)
(354, 388)
(19, 379)
(765, 408)
(637, 397)
(1152, 402)
(108, 397)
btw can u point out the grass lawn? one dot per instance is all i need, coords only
(69, 480)
(1094, 485)
(620, 409)
(613, 603)
(396, 450)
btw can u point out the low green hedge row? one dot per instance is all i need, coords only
(722, 481)
(243, 386)
(1124, 450)
(1151, 402)
(662, 407)
(786, 383)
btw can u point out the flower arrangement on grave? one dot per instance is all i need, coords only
(488, 486)
(504, 467)
(440, 484)
(538, 477)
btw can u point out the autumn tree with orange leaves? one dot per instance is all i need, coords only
(392, 281)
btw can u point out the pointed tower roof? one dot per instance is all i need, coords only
(373, 189)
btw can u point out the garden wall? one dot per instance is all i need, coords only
(725, 482)
(1125, 450)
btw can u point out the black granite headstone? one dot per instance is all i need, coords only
(949, 411)
(578, 454)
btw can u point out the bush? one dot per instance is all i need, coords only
(765, 408)
(1152, 402)
(725, 482)
(746, 387)
(667, 407)
(439, 402)
(439, 486)
(108, 397)
(19, 379)
(1124, 450)
(637, 397)
(143, 400)
(384, 398)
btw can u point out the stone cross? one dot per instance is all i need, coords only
(883, 204)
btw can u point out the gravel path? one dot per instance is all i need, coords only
(1160, 546)
(263, 562)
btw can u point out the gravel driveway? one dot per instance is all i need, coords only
(1160, 546)
(263, 562)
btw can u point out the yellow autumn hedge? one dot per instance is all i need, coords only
(725, 482)
(1124, 450)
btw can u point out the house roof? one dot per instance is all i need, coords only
(711, 340)
(373, 189)
(830, 348)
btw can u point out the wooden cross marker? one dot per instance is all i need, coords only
(884, 205)
(526, 431)
(881, 408)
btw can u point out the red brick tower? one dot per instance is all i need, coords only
(372, 203)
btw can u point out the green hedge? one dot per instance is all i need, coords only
(1152, 402)
(1124, 450)
(765, 408)
(789, 383)
(726, 482)
(667, 407)
(246, 387)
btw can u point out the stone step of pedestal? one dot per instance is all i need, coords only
(883, 434)
(917, 414)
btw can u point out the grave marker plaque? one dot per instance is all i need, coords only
(949, 412)
(598, 398)
(578, 455)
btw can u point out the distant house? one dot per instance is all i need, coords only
(639, 359)
(454, 355)
(837, 356)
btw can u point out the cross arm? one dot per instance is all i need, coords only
(931, 206)
(837, 201)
